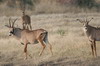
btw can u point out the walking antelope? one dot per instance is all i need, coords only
(30, 37)
(26, 19)
(93, 34)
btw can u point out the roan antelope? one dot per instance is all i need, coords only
(26, 19)
(93, 34)
(30, 37)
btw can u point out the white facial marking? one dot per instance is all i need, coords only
(85, 29)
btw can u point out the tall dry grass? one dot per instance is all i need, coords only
(65, 34)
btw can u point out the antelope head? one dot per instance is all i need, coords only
(85, 23)
(10, 25)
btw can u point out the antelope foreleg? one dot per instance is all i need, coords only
(23, 26)
(95, 49)
(92, 48)
(30, 27)
(27, 26)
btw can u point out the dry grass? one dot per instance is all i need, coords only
(70, 46)
(49, 7)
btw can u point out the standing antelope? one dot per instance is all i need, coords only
(93, 34)
(30, 37)
(26, 19)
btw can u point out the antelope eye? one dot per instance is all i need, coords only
(85, 27)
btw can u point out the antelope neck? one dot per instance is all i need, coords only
(17, 32)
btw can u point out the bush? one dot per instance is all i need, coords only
(61, 32)
(85, 3)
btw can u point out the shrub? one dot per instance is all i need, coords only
(85, 3)
(61, 32)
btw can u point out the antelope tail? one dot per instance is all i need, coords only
(46, 38)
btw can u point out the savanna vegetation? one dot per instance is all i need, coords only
(70, 45)
(8, 7)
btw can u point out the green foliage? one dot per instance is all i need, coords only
(1, 0)
(29, 2)
(15, 3)
(61, 32)
(86, 3)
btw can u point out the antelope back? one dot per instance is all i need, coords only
(32, 36)
(26, 19)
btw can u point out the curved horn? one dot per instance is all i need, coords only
(90, 19)
(79, 20)
(14, 22)
(86, 17)
(10, 22)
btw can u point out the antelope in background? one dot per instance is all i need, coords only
(93, 34)
(30, 37)
(26, 19)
